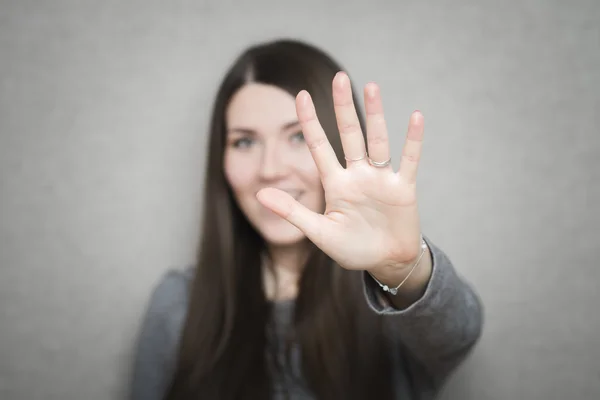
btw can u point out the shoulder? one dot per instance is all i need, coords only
(168, 305)
(159, 336)
(171, 291)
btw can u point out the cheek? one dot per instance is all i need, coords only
(308, 169)
(239, 173)
(310, 175)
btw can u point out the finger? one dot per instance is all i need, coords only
(348, 124)
(284, 205)
(315, 137)
(411, 154)
(377, 134)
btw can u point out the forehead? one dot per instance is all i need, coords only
(257, 105)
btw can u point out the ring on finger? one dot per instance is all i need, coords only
(380, 164)
(356, 159)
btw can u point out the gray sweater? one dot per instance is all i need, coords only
(439, 329)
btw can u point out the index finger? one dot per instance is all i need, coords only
(316, 139)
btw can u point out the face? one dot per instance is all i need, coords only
(265, 148)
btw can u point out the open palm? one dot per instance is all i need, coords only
(371, 216)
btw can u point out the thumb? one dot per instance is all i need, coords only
(284, 205)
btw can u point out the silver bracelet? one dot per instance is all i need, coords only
(394, 291)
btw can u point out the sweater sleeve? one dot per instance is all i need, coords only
(158, 338)
(437, 331)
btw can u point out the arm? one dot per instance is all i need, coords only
(437, 328)
(157, 341)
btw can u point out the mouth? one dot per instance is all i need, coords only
(296, 194)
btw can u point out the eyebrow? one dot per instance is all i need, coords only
(249, 131)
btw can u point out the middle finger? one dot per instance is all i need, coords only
(348, 123)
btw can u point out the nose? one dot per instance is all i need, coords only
(273, 164)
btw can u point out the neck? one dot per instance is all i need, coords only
(282, 272)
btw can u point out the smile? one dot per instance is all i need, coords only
(296, 194)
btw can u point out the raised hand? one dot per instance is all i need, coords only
(371, 218)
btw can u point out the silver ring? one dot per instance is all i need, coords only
(381, 164)
(356, 159)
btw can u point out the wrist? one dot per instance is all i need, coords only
(407, 277)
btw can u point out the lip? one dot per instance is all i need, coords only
(295, 193)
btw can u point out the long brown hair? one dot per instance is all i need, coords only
(224, 351)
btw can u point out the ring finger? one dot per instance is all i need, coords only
(377, 134)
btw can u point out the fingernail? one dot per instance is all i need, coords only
(342, 78)
(371, 90)
(303, 97)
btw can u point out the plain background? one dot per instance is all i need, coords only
(103, 121)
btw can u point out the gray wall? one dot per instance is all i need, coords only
(103, 116)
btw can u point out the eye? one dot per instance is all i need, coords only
(242, 143)
(297, 137)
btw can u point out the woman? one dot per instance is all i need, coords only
(312, 280)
